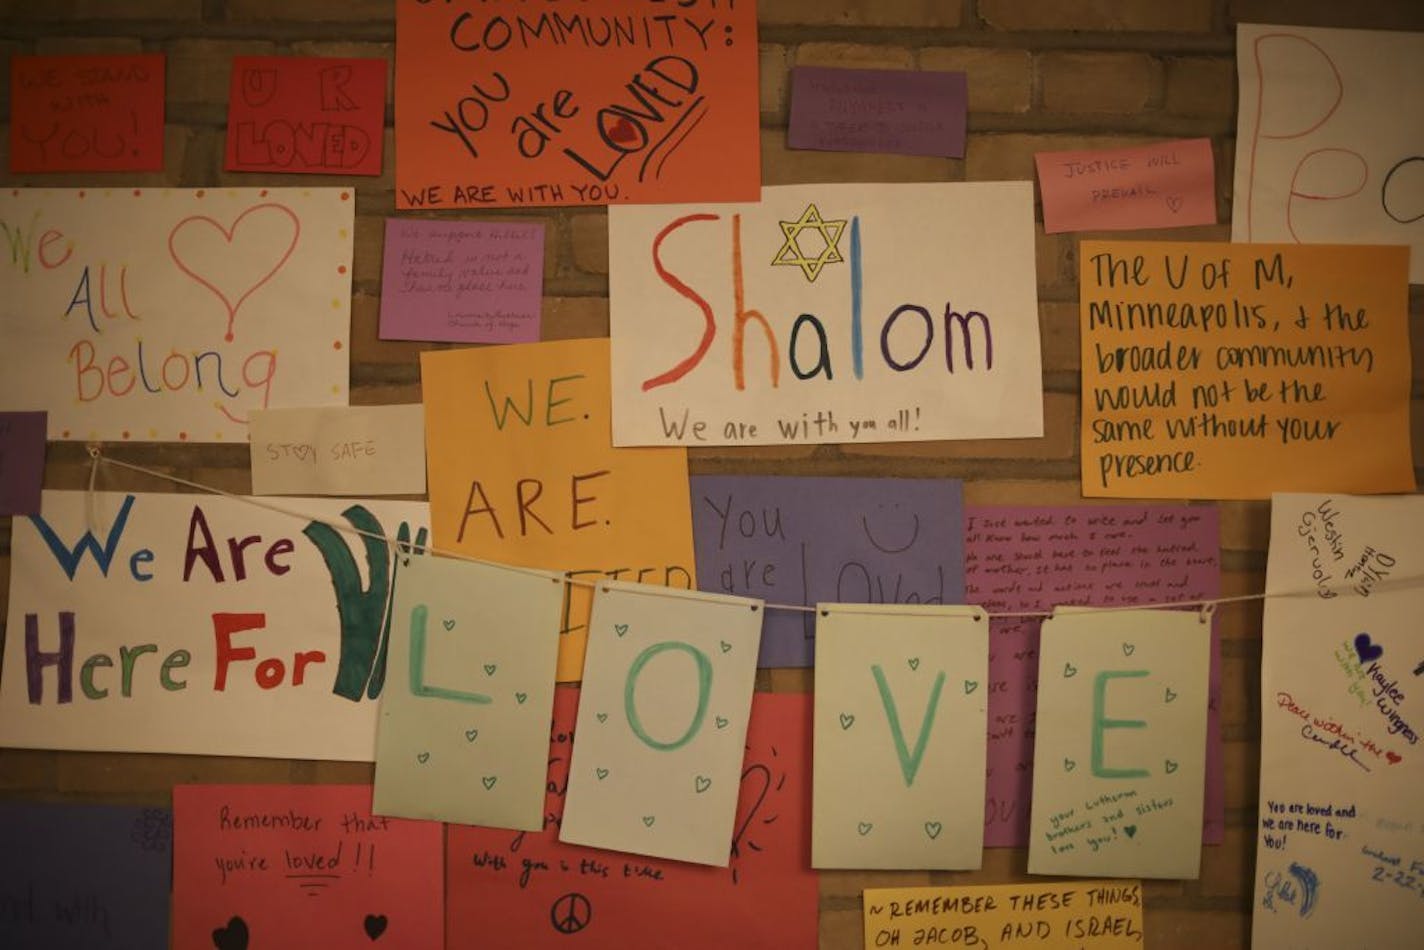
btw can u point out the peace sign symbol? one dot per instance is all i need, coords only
(571, 913)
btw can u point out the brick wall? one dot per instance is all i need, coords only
(1043, 74)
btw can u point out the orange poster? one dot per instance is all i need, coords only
(522, 470)
(503, 103)
(1214, 370)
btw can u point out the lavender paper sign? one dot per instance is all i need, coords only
(462, 281)
(1033, 559)
(22, 453)
(837, 540)
(93, 876)
(878, 110)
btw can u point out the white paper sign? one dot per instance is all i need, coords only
(825, 314)
(1329, 148)
(465, 714)
(1120, 751)
(662, 722)
(166, 314)
(198, 624)
(901, 703)
(1340, 848)
(346, 450)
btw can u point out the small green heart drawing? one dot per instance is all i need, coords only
(933, 828)
(722, 723)
(1130, 830)
(648, 820)
(620, 628)
(601, 773)
(864, 828)
(970, 686)
(914, 662)
(602, 717)
(1128, 648)
(726, 647)
(1170, 695)
(489, 781)
(847, 720)
(448, 624)
(1170, 766)
(702, 783)
(490, 668)
(471, 735)
(520, 698)
(1069, 671)
(423, 758)
(1069, 765)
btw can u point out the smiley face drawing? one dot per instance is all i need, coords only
(892, 527)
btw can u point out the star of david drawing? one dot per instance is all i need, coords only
(791, 253)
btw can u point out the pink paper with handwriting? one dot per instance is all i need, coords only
(1163, 185)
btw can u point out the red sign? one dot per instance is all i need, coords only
(515, 889)
(86, 113)
(306, 114)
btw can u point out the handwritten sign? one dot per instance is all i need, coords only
(306, 114)
(84, 875)
(86, 113)
(1165, 185)
(291, 866)
(809, 317)
(1038, 558)
(273, 632)
(165, 315)
(503, 105)
(1324, 152)
(1340, 848)
(1230, 371)
(878, 110)
(531, 890)
(1063, 915)
(462, 281)
(471, 663)
(662, 724)
(901, 694)
(842, 540)
(22, 455)
(347, 450)
(1119, 756)
(524, 474)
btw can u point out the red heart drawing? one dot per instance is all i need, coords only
(261, 243)
(623, 131)
(1393, 757)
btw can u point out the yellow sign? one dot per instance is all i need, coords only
(1069, 915)
(522, 471)
(1215, 370)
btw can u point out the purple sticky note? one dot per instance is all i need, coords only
(878, 110)
(462, 281)
(1035, 559)
(841, 540)
(22, 454)
(84, 876)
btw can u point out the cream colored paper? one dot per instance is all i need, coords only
(662, 722)
(901, 700)
(200, 625)
(470, 691)
(827, 313)
(168, 314)
(1329, 145)
(1340, 846)
(348, 450)
(1120, 750)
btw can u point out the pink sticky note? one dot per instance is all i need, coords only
(308, 114)
(1166, 185)
(22, 455)
(462, 281)
(277, 866)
